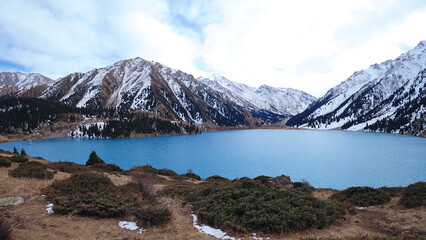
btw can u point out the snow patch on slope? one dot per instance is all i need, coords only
(217, 233)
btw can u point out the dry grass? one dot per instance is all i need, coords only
(404, 221)
(30, 220)
(119, 179)
(323, 193)
(24, 186)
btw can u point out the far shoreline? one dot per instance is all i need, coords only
(64, 134)
(5, 138)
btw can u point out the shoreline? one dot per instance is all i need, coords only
(6, 139)
(64, 134)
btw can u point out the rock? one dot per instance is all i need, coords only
(282, 181)
(25, 196)
(11, 201)
(37, 199)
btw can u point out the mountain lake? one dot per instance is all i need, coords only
(326, 159)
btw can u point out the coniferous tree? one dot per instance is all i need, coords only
(23, 153)
(15, 151)
(93, 159)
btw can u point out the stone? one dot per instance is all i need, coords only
(6, 201)
(282, 181)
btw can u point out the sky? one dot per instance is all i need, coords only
(309, 45)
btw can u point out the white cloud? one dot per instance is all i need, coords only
(309, 45)
(247, 43)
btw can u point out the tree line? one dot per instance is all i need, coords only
(26, 114)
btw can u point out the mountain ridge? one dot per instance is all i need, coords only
(12, 82)
(350, 102)
(151, 86)
(373, 99)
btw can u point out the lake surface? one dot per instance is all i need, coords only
(332, 159)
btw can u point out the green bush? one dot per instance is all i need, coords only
(192, 175)
(93, 159)
(106, 167)
(5, 162)
(19, 158)
(362, 196)
(393, 191)
(147, 168)
(90, 194)
(68, 167)
(305, 186)
(152, 216)
(5, 229)
(166, 172)
(31, 170)
(263, 179)
(217, 178)
(414, 195)
(249, 205)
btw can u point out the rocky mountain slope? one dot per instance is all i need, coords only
(16, 82)
(268, 103)
(150, 86)
(385, 97)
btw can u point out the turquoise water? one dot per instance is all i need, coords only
(332, 159)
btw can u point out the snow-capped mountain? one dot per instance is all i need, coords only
(149, 86)
(15, 82)
(365, 96)
(403, 112)
(278, 103)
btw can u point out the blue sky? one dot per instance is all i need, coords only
(308, 44)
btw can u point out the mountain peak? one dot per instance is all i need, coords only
(373, 98)
(421, 44)
(215, 76)
(266, 87)
(420, 48)
(12, 82)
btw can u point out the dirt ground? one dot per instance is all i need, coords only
(31, 221)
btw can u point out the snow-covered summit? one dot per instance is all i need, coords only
(284, 101)
(149, 86)
(352, 101)
(14, 82)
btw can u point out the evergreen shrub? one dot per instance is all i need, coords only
(93, 159)
(362, 196)
(19, 158)
(90, 194)
(166, 172)
(5, 162)
(106, 167)
(31, 170)
(247, 205)
(152, 216)
(414, 195)
(5, 229)
(68, 167)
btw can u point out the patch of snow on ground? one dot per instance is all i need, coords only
(78, 133)
(130, 225)
(49, 208)
(363, 208)
(256, 237)
(217, 233)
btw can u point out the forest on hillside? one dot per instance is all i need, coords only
(24, 115)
